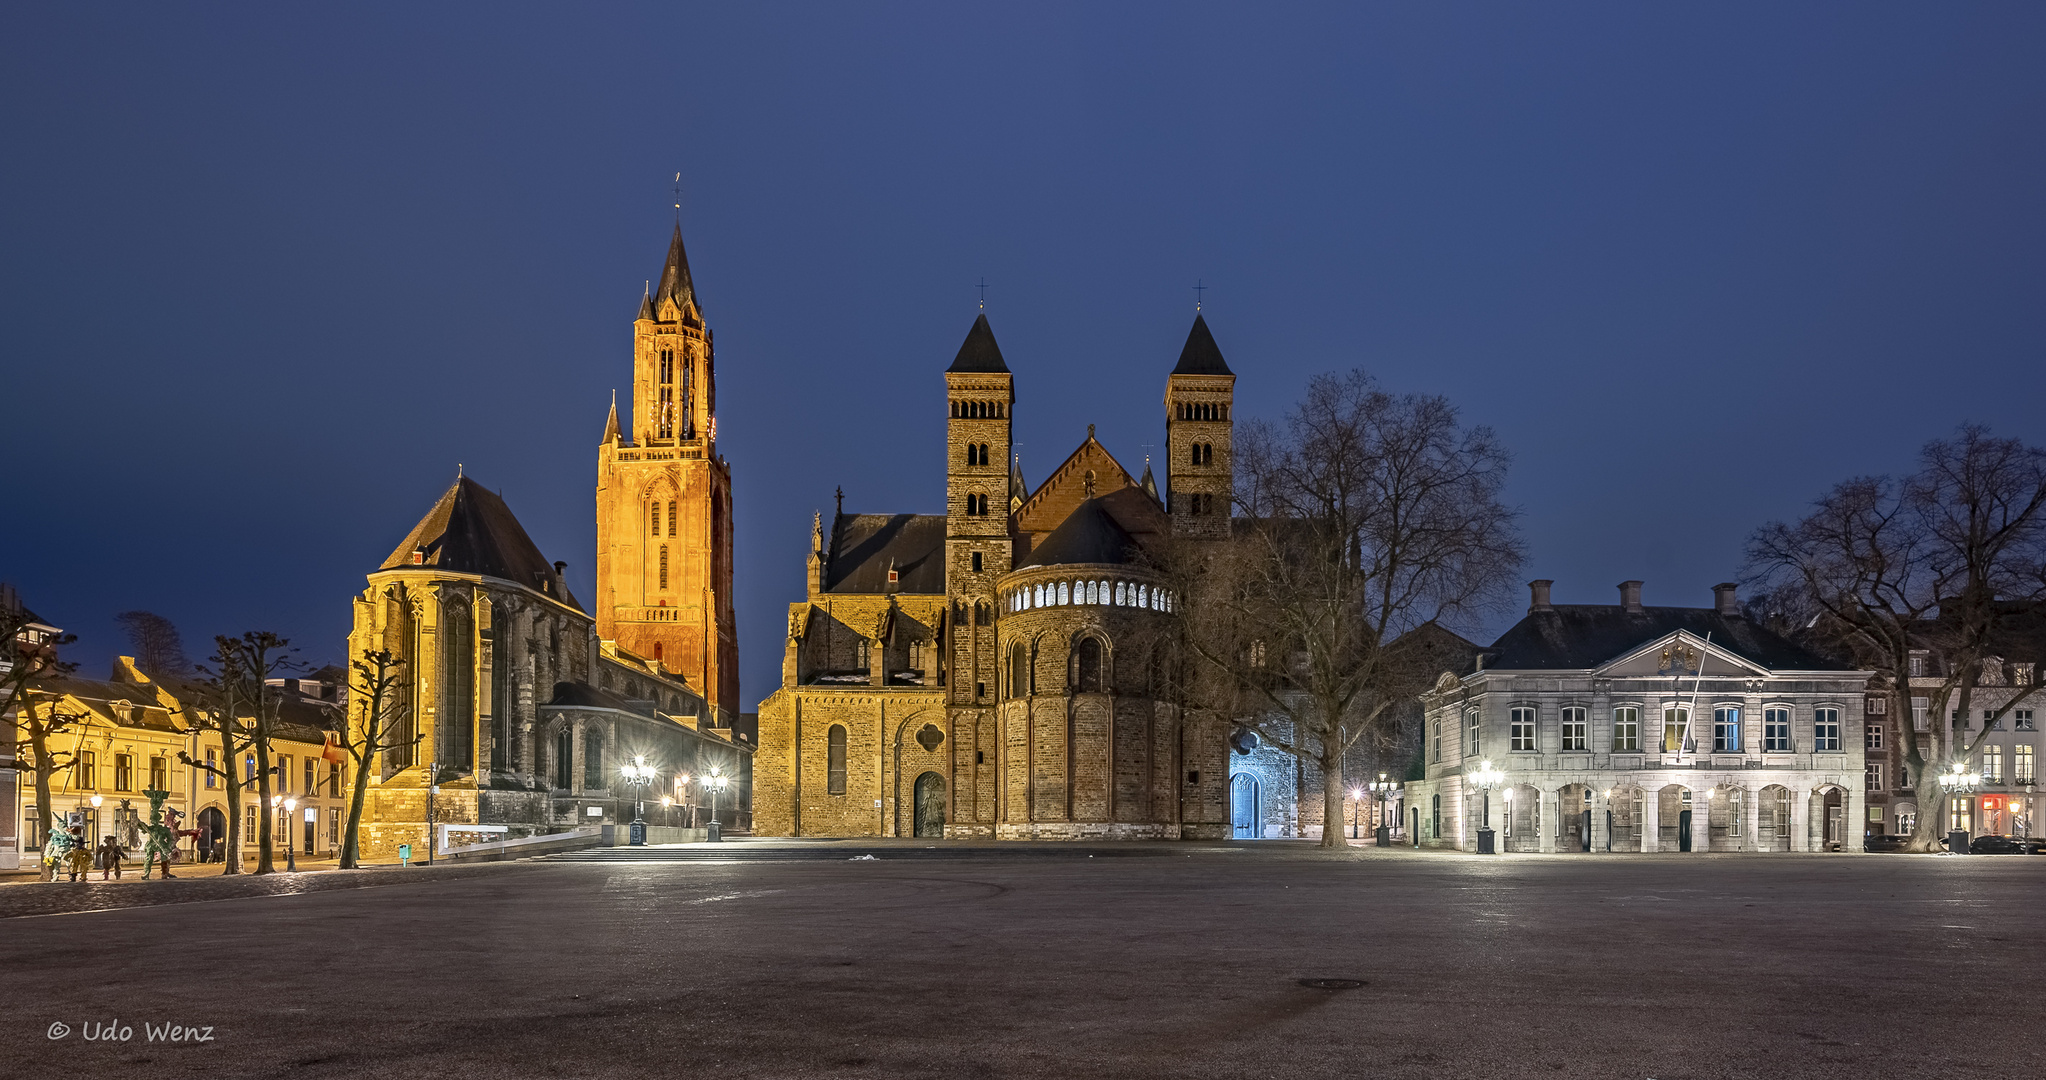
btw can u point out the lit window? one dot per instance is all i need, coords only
(1676, 721)
(124, 772)
(2022, 765)
(1726, 730)
(1992, 764)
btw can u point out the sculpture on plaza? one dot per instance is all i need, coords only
(163, 835)
(66, 848)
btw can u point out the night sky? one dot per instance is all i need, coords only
(268, 273)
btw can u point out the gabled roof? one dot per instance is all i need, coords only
(675, 283)
(1580, 637)
(471, 531)
(1088, 535)
(1201, 356)
(865, 546)
(979, 354)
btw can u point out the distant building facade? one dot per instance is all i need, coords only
(1643, 729)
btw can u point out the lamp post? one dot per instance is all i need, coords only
(1485, 779)
(1959, 783)
(1356, 796)
(682, 795)
(638, 775)
(1609, 820)
(1382, 791)
(433, 788)
(716, 782)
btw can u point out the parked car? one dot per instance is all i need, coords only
(1997, 845)
(1883, 842)
(2035, 844)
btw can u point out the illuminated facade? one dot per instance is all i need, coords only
(1642, 729)
(1004, 669)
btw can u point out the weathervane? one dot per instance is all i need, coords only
(678, 198)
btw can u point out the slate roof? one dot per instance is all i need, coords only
(864, 546)
(979, 353)
(1088, 535)
(1580, 636)
(1201, 356)
(471, 531)
(578, 695)
(675, 283)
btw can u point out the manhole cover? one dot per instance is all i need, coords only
(1333, 984)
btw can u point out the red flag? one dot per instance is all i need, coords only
(332, 752)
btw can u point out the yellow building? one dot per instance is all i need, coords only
(131, 732)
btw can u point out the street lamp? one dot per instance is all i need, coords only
(1959, 783)
(1382, 790)
(1485, 779)
(290, 807)
(716, 782)
(433, 788)
(1609, 820)
(638, 775)
(681, 795)
(1356, 796)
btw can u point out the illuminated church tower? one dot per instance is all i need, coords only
(664, 502)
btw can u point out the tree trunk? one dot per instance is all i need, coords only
(1332, 789)
(231, 851)
(39, 744)
(351, 852)
(265, 823)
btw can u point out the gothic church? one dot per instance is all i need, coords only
(1004, 669)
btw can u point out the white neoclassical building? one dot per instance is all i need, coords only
(1630, 728)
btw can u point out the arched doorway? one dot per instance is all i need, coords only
(1574, 833)
(930, 806)
(1772, 818)
(212, 832)
(1243, 806)
(1673, 818)
(1829, 818)
(1623, 819)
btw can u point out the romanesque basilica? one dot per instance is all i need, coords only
(1002, 669)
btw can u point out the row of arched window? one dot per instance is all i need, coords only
(979, 410)
(1104, 593)
(1189, 410)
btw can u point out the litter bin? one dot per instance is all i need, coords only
(1957, 841)
(1485, 842)
(1384, 836)
(638, 838)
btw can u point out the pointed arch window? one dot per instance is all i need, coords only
(564, 758)
(593, 759)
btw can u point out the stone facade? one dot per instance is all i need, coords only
(1003, 670)
(1632, 728)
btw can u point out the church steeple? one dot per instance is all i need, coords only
(675, 283)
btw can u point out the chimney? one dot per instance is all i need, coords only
(1538, 596)
(1723, 599)
(1630, 597)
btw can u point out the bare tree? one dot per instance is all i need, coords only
(31, 665)
(1363, 518)
(378, 724)
(159, 648)
(1933, 564)
(241, 707)
(221, 709)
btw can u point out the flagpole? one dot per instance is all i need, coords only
(1692, 717)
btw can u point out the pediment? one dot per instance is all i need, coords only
(1675, 655)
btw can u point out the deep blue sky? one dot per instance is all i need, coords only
(268, 273)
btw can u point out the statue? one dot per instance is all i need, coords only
(66, 848)
(163, 836)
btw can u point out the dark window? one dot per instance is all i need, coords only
(1019, 671)
(1090, 666)
(672, 522)
(834, 760)
(564, 758)
(593, 759)
(976, 562)
(664, 568)
(458, 715)
(124, 771)
(159, 773)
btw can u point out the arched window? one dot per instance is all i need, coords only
(1019, 671)
(1064, 598)
(1037, 596)
(834, 760)
(1089, 680)
(1119, 586)
(593, 759)
(1143, 596)
(564, 758)
(664, 568)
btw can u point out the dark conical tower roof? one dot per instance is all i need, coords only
(1201, 355)
(979, 354)
(675, 284)
(471, 531)
(1088, 535)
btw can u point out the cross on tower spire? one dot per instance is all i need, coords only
(1199, 287)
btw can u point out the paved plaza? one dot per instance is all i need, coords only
(1044, 961)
